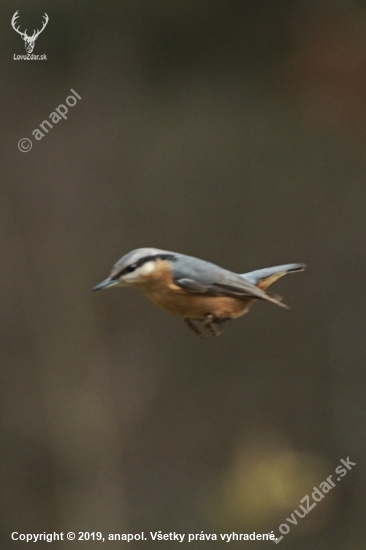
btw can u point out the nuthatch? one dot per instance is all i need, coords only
(195, 289)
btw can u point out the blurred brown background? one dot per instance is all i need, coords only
(233, 131)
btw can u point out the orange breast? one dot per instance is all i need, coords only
(164, 293)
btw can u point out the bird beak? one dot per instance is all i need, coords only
(107, 283)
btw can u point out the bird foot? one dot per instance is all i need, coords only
(210, 323)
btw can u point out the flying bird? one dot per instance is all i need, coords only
(196, 290)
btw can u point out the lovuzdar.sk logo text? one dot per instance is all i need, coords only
(29, 41)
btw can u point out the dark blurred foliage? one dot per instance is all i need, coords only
(233, 131)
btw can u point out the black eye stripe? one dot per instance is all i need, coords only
(132, 267)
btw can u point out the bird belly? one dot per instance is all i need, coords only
(195, 306)
(160, 288)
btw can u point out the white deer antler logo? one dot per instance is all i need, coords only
(28, 40)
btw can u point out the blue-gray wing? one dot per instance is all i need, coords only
(199, 276)
(191, 286)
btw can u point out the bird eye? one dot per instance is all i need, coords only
(131, 268)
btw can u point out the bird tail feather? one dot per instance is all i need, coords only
(263, 278)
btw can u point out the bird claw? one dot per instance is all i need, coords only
(210, 323)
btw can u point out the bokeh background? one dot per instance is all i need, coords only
(232, 131)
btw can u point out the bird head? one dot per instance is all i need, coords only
(135, 268)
